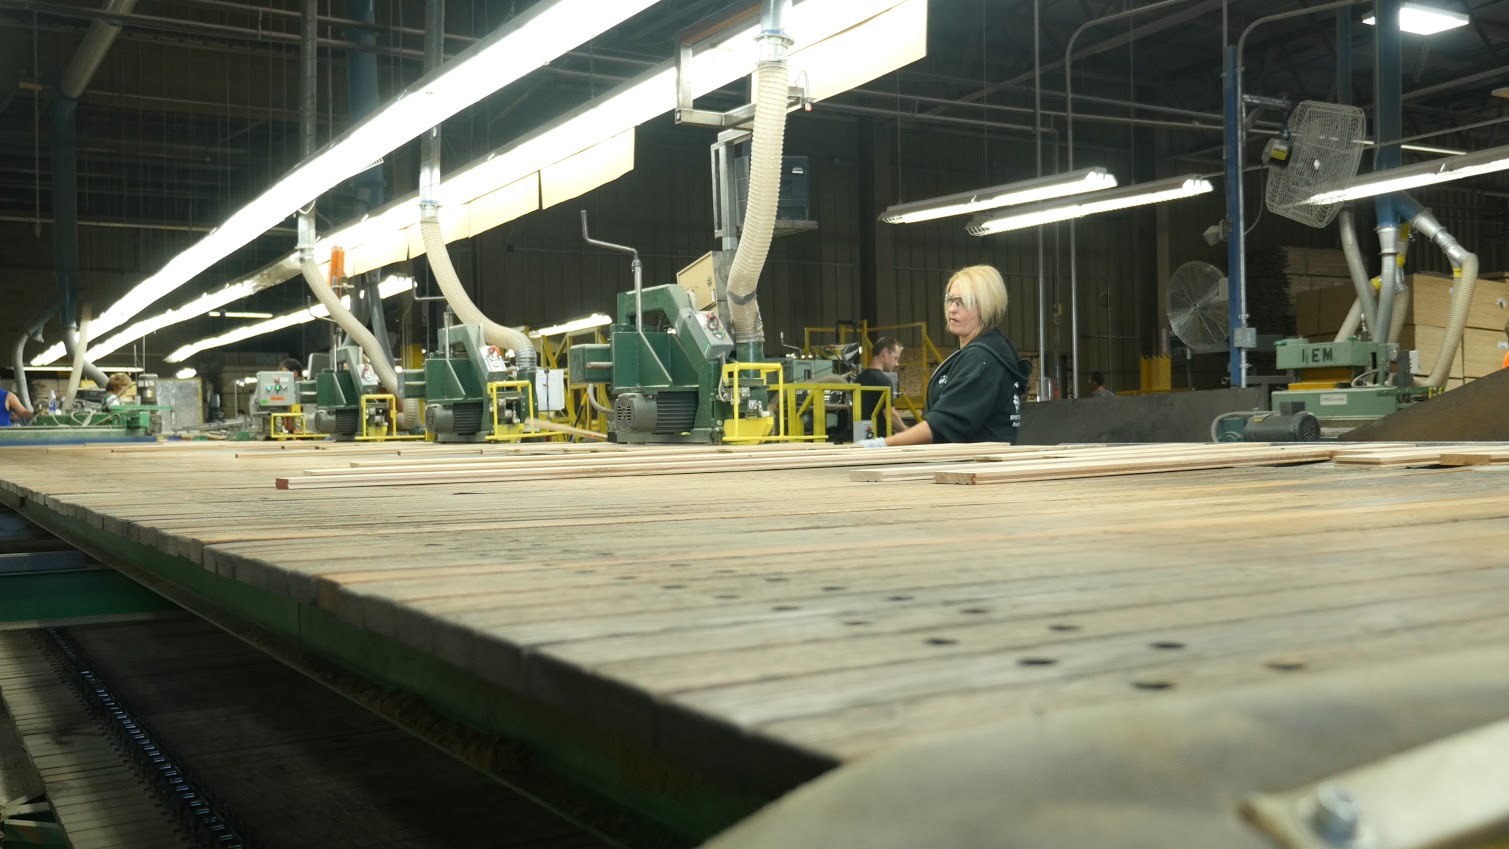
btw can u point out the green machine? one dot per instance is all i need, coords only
(122, 423)
(471, 392)
(664, 370)
(666, 366)
(350, 402)
(1344, 384)
(1335, 388)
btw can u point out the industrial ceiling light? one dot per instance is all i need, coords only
(591, 322)
(1417, 175)
(1011, 194)
(839, 44)
(387, 289)
(185, 374)
(1139, 194)
(529, 41)
(1421, 19)
(67, 369)
(236, 314)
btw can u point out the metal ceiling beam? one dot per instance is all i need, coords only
(1115, 41)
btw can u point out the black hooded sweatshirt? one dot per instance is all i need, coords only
(976, 393)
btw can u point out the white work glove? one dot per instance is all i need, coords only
(875, 442)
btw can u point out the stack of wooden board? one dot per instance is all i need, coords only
(1319, 313)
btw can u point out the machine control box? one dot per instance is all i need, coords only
(1303, 354)
(275, 389)
(708, 333)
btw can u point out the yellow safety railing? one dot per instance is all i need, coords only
(756, 429)
(816, 403)
(390, 431)
(864, 333)
(504, 431)
(296, 427)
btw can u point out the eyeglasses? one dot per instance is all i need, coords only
(953, 301)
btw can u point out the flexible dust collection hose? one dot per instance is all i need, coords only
(1464, 271)
(408, 416)
(79, 345)
(772, 85)
(1366, 306)
(455, 294)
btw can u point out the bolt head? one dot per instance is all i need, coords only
(1336, 816)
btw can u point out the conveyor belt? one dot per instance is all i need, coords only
(293, 764)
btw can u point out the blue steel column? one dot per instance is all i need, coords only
(1236, 241)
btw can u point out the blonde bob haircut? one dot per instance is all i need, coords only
(981, 286)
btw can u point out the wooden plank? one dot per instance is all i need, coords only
(1073, 468)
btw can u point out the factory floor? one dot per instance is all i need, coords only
(691, 640)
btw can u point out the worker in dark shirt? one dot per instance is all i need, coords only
(976, 394)
(885, 358)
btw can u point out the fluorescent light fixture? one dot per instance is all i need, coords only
(1140, 194)
(66, 369)
(1421, 19)
(1011, 194)
(528, 41)
(1420, 174)
(839, 43)
(591, 322)
(185, 374)
(388, 288)
(1420, 148)
(235, 314)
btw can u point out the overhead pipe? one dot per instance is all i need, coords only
(1365, 308)
(65, 183)
(32, 332)
(308, 77)
(1464, 272)
(78, 345)
(771, 89)
(429, 217)
(362, 100)
(1069, 160)
(1235, 152)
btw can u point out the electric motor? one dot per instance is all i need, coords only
(634, 413)
(1283, 427)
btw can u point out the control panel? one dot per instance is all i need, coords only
(275, 389)
(713, 339)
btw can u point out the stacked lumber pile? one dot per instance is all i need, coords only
(1319, 313)
(982, 463)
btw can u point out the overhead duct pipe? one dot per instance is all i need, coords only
(771, 88)
(65, 182)
(381, 365)
(1365, 308)
(361, 95)
(80, 343)
(33, 331)
(435, 251)
(1464, 271)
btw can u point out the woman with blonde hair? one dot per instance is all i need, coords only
(976, 393)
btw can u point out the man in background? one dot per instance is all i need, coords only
(1098, 388)
(885, 359)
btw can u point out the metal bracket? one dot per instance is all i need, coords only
(1434, 795)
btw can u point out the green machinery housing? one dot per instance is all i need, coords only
(471, 393)
(665, 371)
(1327, 372)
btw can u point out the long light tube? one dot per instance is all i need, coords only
(810, 23)
(1135, 195)
(387, 289)
(1420, 174)
(574, 326)
(1421, 19)
(529, 41)
(1012, 194)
